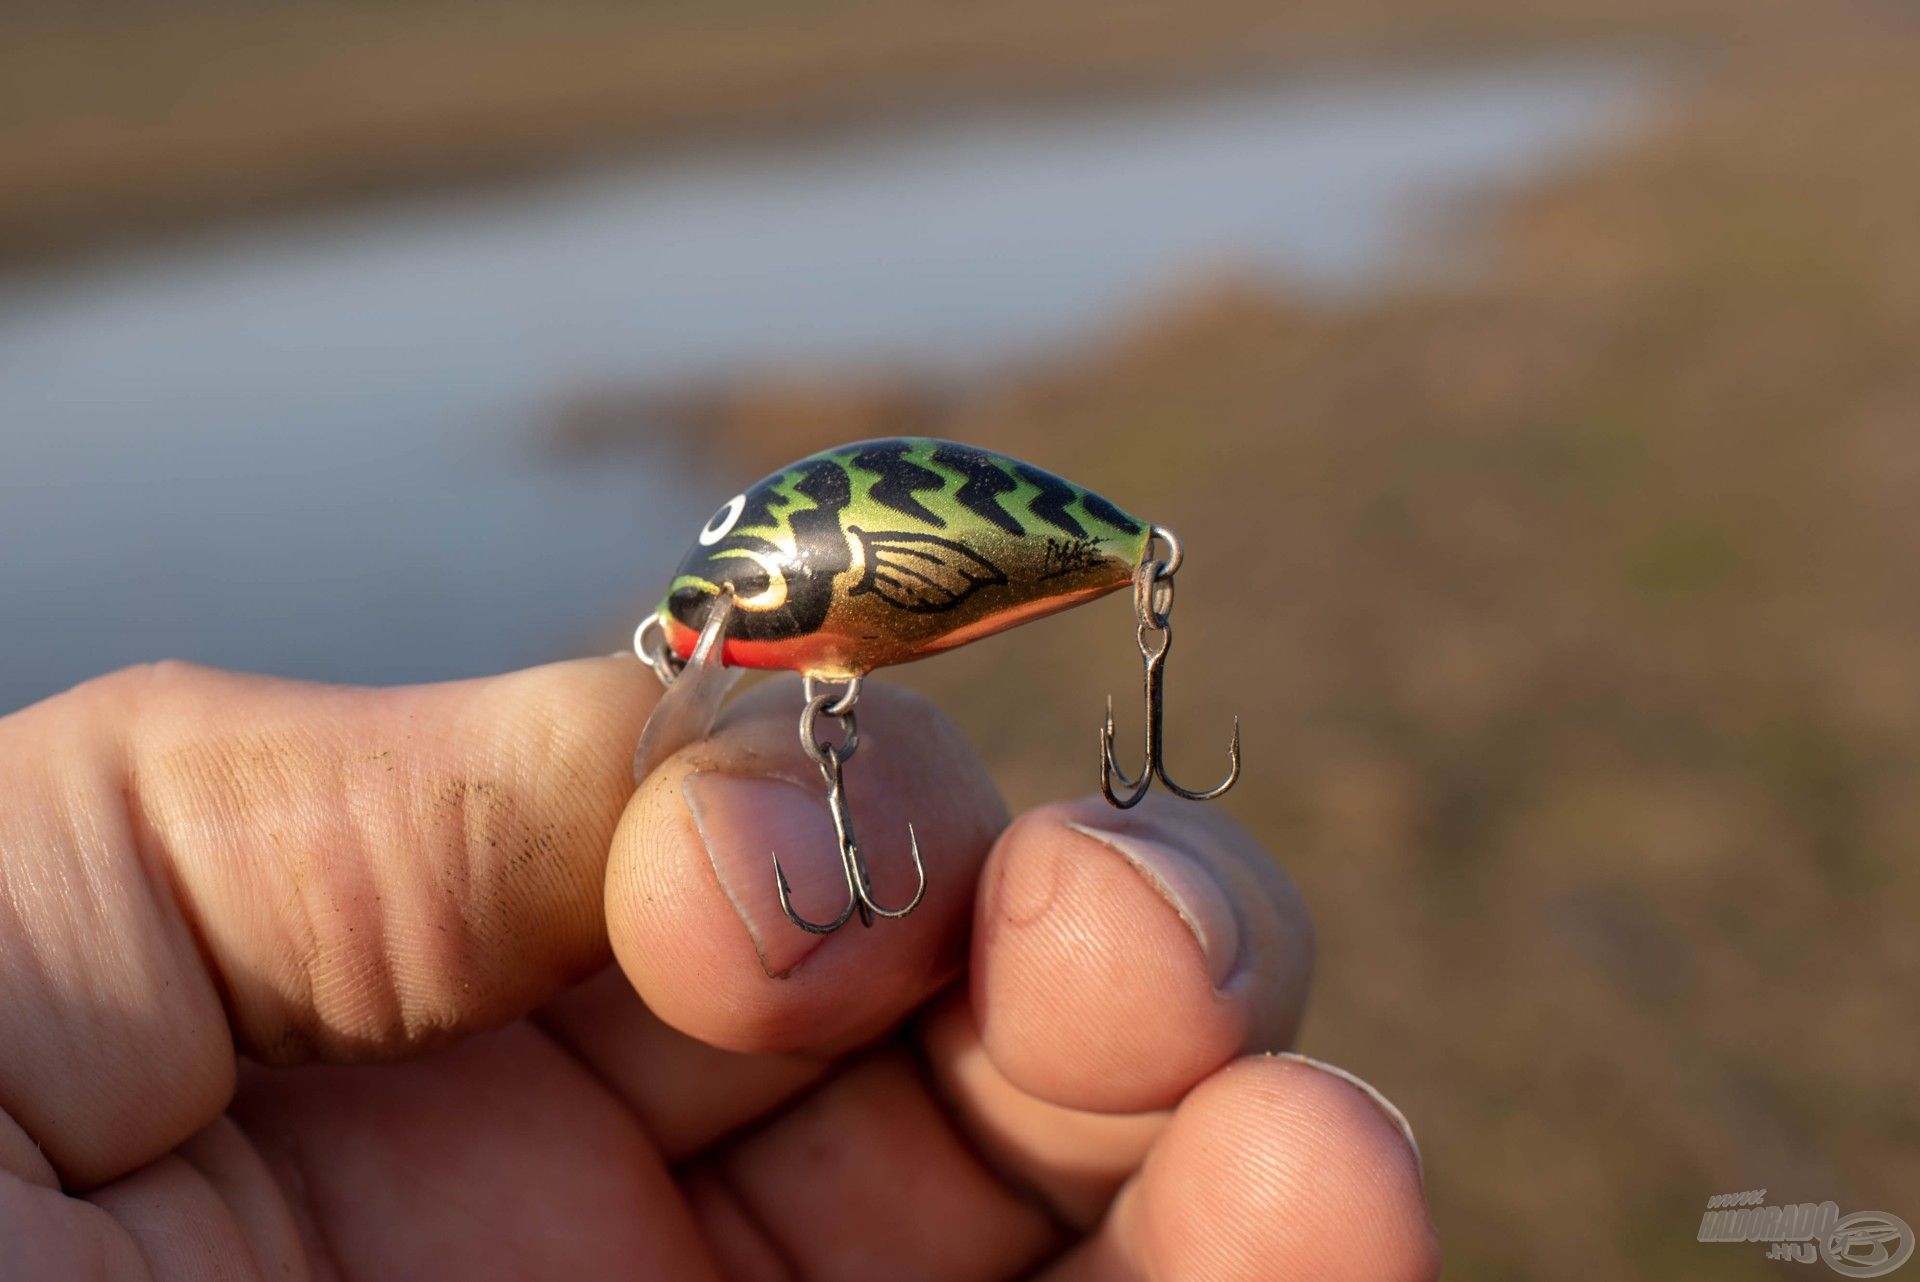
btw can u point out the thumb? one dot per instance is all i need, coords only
(195, 861)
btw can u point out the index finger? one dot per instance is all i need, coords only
(195, 861)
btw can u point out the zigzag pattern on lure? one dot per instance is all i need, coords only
(885, 551)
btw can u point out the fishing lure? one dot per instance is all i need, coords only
(886, 551)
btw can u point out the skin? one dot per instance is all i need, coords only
(305, 982)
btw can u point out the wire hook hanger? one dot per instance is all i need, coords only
(839, 705)
(1153, 606)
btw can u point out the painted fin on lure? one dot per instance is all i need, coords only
(886, 551)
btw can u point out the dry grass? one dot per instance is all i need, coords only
(120, 115)
(1572, 621)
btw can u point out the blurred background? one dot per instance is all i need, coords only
(1536, 387)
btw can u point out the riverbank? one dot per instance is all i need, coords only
(122, 118)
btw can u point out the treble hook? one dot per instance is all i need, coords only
(1153, 604)
(830, 760)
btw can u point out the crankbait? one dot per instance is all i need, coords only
(886, 551)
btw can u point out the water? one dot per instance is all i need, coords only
(310, 448)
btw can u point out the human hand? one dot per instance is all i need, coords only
(223, 897)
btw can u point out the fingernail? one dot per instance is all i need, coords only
(1380, 1101)
(744, 822)
(1189, 889)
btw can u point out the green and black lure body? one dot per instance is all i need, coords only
(885, 551)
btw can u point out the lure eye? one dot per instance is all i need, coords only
(723, 520)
